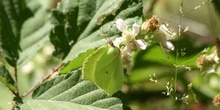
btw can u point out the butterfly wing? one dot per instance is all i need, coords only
(104, 67)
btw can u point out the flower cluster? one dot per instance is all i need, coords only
(208, 61)
(161, 33)
(129, 42)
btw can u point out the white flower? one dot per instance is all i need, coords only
(128, 35)
(127, 42)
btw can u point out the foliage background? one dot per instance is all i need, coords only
(204, 26)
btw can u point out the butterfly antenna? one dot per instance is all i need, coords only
(105, 33)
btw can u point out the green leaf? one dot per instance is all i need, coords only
(143, 74)
(6, 78)
(34, 37)
(71, 90)
(77, 62)
(104, 67)
(13, 13)
(56, 105)
(79, 24)
(154, 60)
(155, 54)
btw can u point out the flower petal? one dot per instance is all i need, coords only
(126, 53)
(117, 42)
(121, 25)
(164, 29)
(169, 45)
(135, 29)
(141, 44)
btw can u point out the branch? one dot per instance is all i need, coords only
(42, 80)
(16, 81)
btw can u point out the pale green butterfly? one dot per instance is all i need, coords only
(104, 68)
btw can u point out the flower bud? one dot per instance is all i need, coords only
(151, 25)
(216, 100)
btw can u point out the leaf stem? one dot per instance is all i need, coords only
(42, 80)
(16, 80)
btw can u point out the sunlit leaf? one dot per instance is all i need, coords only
(56, 105)
(6, 78)
(77, 62)
(70, 88)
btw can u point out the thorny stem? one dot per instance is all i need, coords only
(13, 106)
(42, 80)
(16, 81)
(16, 93)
